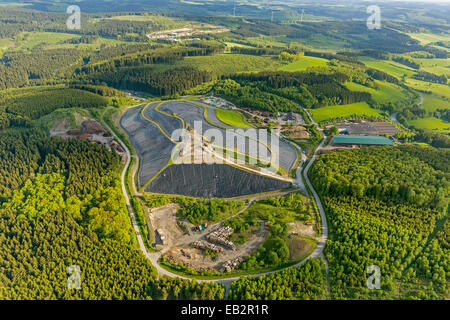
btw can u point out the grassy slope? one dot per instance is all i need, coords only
(333, 112)
(386, 93)
(54, 40)
(231, 63)
(432, 103)
(440, 90)
(390, 67)
(431, 124)
(231, 118)
(304, 63)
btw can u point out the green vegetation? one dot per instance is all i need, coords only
(227, 64)
(351, 111)
(303, 64)
(197, 211)
(431, 124)
(231, 118)
(278, 212)
(383, 92)
(306, 282)
(390, 67)
(387, 212)
(40, 102)
(61, 201)
(432, 103)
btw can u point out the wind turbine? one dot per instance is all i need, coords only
(301, 18)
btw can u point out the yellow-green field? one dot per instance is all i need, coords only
(439, 90)
(231, 118)
(304, 63)
(359, 109)
(232, 63)
(55, 40)
(436, 66)
(431, 124)
(266, 41)
(387, 92)
(390, 67)
(426, 38)
(51, 40)
(431, 103)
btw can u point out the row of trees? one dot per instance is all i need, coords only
(430, 77)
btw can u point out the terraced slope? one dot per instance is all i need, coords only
(212, 181)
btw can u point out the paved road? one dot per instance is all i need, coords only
(395, 114)
(155, 256)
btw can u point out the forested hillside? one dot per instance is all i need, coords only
(306, 282)
(386, 207)
(18, 107)
(61, 204)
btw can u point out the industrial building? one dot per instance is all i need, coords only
(362, 140)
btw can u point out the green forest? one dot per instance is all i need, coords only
(387, 207)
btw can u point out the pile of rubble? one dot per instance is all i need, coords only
(204, 245)
(232, 264)
(220, 237)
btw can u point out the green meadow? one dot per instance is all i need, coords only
(426, 38)
(231, 118)
(304, 63)
(431, 124)
(390, 67)
(55, 40)
(431, 103)
(436, 66)
(231, 63)
(359, 109)
(440, 90)
(387, 92)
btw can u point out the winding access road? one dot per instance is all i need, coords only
(155, 256)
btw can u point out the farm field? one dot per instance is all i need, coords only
(386, 93)
(436, 66)
(54, 40)
(426, 38)
(231, 118)
(391, 67)
(304, 63)
(431, 103)
(225, 64)
(439, 90)
(359, 109)
(431, 124)
(279, 41)
(51, 40)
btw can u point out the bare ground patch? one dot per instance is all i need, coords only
(177, 242)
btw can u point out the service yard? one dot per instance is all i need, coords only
(178, 243)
